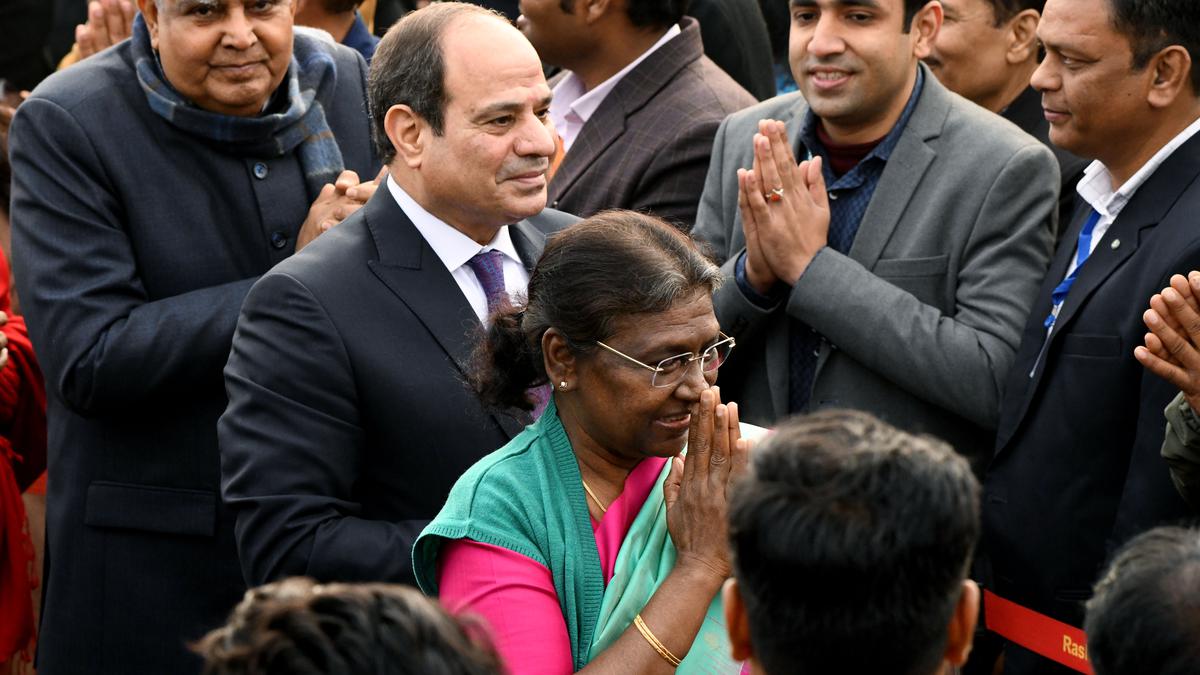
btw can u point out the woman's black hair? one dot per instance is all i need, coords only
(612, 265)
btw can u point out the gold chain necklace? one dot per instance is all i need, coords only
(591, 494)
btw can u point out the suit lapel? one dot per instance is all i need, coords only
(1149, 205)
(413, 272)
(634, 91)
(905, 168)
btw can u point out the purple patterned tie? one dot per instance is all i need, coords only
(488, 267)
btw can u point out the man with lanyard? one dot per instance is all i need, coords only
(1077, 468)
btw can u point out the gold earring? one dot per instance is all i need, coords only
(562, 385)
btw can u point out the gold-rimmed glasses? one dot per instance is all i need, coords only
(671, 370)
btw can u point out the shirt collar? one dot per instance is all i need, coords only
(1096, 188)
(569, 94)
(808, 130)
(451, 246)
(360, 39)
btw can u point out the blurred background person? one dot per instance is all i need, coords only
(1144, 616)
(986, 51)
(297, 627)
(619, 320)
(342, 20)
(152, 184)
(637, 107)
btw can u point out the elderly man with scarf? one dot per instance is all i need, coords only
(153, 184)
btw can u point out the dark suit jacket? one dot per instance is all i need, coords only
(134, 245)
(1026, 112)
(349, 417)
(1077, 470)
(736, 39)
(647, 146)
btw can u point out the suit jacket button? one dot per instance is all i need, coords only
(279, 239)
(260, 170)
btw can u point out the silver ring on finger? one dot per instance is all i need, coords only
(776, 195)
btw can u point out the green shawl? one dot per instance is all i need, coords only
(528, 497)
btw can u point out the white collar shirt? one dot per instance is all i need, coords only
(1096, 188)
(572, 106)
(454, 249)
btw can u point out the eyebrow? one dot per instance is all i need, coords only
(870, 4)
(509, 107)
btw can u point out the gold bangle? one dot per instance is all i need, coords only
(655, 643)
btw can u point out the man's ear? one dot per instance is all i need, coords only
(1171, 69)
(595, 10)
(1022, 37)
(960, 634)
(408, 133)
(925, 26)
(737, 623)
(559, 360)
(149, 10)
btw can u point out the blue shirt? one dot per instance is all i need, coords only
(360, 39)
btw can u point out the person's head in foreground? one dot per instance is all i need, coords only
(1145, 614)
(1119, 79)
(298, 627)
(851, 541)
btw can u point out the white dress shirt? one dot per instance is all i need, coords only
(454, 249)
(572, 107)
(1096, 188)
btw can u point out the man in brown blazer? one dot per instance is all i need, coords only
(637, 105)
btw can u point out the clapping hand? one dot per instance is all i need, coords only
(1172, 347)
(335, 203)
(785, 210)
(108, 22)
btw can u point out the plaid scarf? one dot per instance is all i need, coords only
(310, 79)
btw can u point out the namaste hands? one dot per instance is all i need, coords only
(1172, 348)
(785, 210)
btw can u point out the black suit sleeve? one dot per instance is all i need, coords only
(90, 315)
(292, 444)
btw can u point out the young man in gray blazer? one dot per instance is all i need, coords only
(893, 272)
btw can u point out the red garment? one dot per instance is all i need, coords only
(22, 460)
(842, 158)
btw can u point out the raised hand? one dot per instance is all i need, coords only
(784, 206)
(696, 489)
(1172, 347)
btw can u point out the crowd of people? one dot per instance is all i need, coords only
(373, 338)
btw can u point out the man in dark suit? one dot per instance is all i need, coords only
(335, 458)
(986, 51)
(1077, 469)
(637, 107)
(139, 224)
(903, 294)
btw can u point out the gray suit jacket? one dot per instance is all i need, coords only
(647, 145)
(922, 318)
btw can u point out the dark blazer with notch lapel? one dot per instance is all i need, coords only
(1077, 468)
(134, 245)
(349, 416)
(923, 317)
(647, 146)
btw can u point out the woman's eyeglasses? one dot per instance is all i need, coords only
(670, 371)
